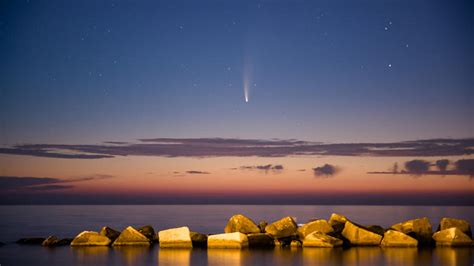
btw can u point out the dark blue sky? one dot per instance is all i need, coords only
(91, 71)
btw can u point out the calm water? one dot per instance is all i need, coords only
(67, 221)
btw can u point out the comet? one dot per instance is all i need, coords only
(247, 80)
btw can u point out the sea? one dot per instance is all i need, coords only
(66, 221)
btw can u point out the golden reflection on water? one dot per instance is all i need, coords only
(133, 255)
(321, 256)
(174, 256)
(230, 257)
(453, 256)
(86, 255)
(402, 256)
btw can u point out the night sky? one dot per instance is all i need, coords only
(77, 73)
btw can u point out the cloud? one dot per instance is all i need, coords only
(31, 184)
(417, 167)
(193, 172)
(266, 168)
(465, 166)
(326, 170)
(219, 147)
(421, 167)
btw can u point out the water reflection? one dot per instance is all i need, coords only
(322, 256)
(402, 256)
(134, 255)
(171, 256)
(231, 257)
(91, 255)
(454, 256)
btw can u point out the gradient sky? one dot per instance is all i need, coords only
(88, 72)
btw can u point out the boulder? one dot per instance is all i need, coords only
(242, 224)
(198, 240)
(420, 229)
(337, 221)
(261, 240)
(1, 244)
(147, 231)
(376, 229)
(228, 240)
(50, 241)
(90, 238)
(131, 237)
(321, 240)
(452, 237)
(284, 227)
(64, 242)
(460, 224)
(262, 225)
(315, 226)
(357, 235)
(393, 238)
(31, 241)
(109, 233)
(175, 238)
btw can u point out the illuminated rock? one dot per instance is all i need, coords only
(375, 229)
(242, 224)
(131, 237)
(315, 226)
(261, 240)
(53, 241)
(175, 238)
(199, 240)
(284, 227)
(360, 236)
(319, 239)
(460, 224)
(89, 238)
(262, 225)
(452, 237)
(337, 221)
(228, 240)
(420, 229)
(393, 238)
(147, 231)
(109, 232)
(295, 244)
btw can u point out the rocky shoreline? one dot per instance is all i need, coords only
(241, 232)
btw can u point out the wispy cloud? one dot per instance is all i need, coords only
(194, 172)
(216, 147)
(274, 168)
(31, 184)
(326, 170)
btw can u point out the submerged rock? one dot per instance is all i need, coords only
(228, 240)
(130, 236)
(198, 240)
(321, 240)
(147, 231)
(420, 229)
(242, 224)
(50, 241)
(460, 224)
(393, 238)
(284, 227)
(360, 236)
(109, 233)
(90, 238)
(31, 241)
(315, 226)
(175, 238)
(261, 240)
(452, 237)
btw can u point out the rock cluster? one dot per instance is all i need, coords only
(241, 232)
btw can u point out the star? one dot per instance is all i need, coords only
(389, 65)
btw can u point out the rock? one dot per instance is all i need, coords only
(360, 236)
(321, 240)
(452, 237)
(1, 244)
(295, 244)
(130, 236)
(50, 241)
(109, 233)
(242, 224)
(460, 224)
(228, 240)
(284, 227)
(64, 242)
(31, 241)
(337, 221)
(315, 226)
(90, 238)
(147, 231)
(199, 240)
(420, 229)
(262, 225)
(376, 229)
(393, 238)
(175, 238)
(261, 240)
